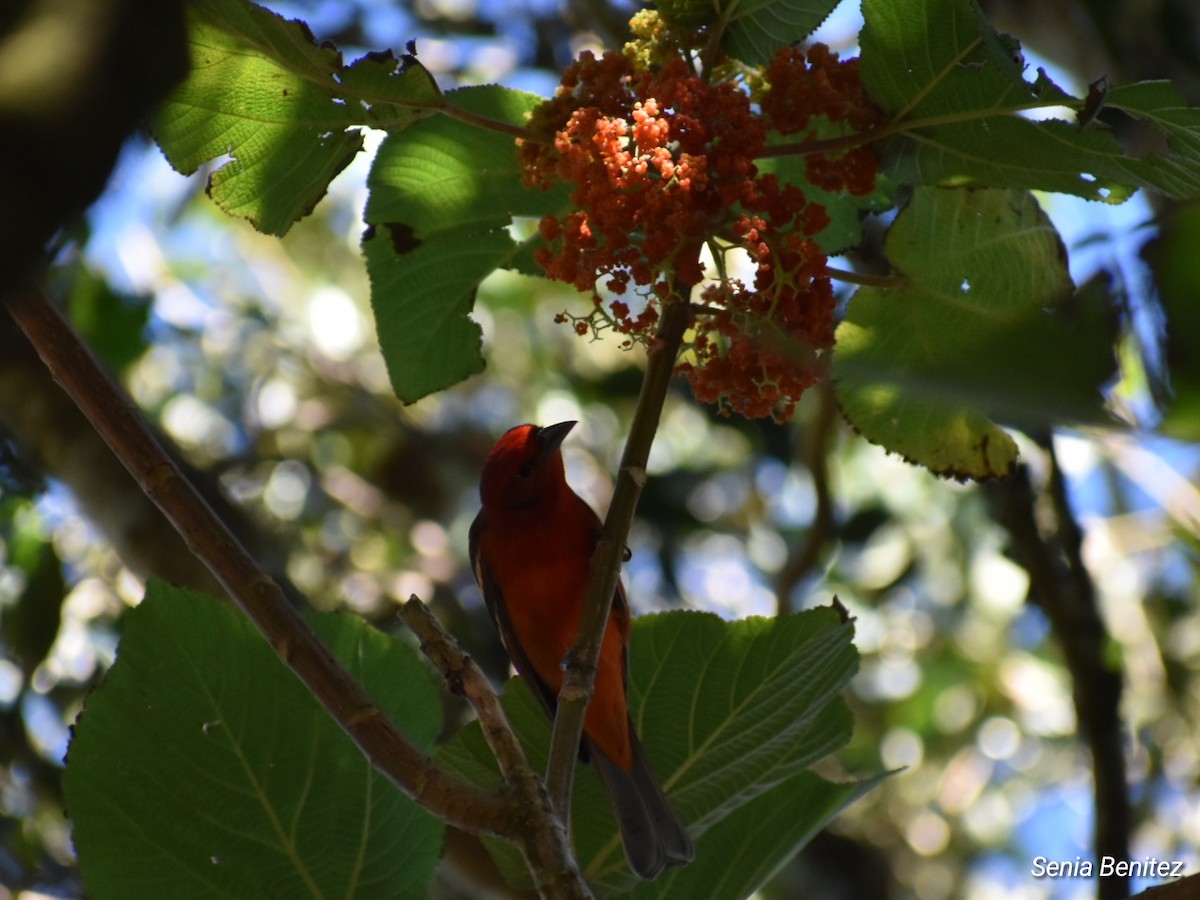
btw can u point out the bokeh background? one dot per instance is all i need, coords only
(257, 358)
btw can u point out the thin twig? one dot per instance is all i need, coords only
(465, 679)
(897, 125)
(490, 124)
(824, 145)
(547, 846)
(817, 438)
(866, 279)
(606, 558)
(126, 432)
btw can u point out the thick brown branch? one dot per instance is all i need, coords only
(126, 432)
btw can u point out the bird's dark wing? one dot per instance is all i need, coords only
(494, 598)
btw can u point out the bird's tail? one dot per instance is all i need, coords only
(653, 836)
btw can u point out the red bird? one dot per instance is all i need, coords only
(531, 546)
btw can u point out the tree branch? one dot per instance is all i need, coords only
(816, 440)
(606, 558)
(1098, 686)
(544, 838)
(126, 432)
(489, 124)
(899, 124)
(1061, 585)
(62, 444)
(866, 279)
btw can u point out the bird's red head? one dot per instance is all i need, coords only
(523, 464)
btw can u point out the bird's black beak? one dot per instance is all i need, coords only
(551, 437)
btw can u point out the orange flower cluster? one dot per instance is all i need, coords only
(759, 352)
(828, 88)
(657, 158)
(662, 163)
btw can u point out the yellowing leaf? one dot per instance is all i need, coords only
(983, 324)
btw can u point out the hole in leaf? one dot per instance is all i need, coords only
(404, 239)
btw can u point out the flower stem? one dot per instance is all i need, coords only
(579, 678)
(864, 279)
(490, 124)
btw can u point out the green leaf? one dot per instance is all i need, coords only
(933, 58)
(982, 324)
(687, 13)
(264, 93)
(729, 712)
(755, 29)
(1012, 152)
(442, 196)
(202, 767)
(444, 175)
(1159, 105)
(1172, 258)
(422, 297)
(113, 323)
(953, 87)
(31, 620)
(392, 92)
(746, 848)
